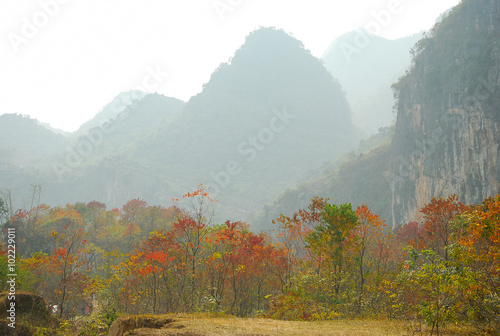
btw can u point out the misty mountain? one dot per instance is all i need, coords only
(24, 140)
(447, 136)
(357, 178)
(94, 166)
(113, 179)
(137, 120)
(264, 119)
(110, 111)
(54, 130)
(366, 66)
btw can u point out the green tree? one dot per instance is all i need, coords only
(332, 238)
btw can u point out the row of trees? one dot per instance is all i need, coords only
(347, 263)
(326, 261)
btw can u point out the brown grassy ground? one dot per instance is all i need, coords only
(205, 325)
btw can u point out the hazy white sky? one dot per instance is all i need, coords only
(61, 61)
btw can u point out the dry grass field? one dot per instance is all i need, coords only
(203, 324)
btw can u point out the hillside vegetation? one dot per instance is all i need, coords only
(327, 261)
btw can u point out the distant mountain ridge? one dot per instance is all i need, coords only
(447, 136)
(242, 133)
(111, 110)
(274, 114)
(366, 66)
(261, 123)
(24, 140)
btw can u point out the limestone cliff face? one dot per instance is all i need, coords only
(448, 127)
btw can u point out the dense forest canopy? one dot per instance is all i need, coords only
(326, 261)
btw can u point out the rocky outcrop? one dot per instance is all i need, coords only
(448, 128)
(21, 312)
